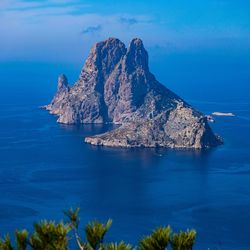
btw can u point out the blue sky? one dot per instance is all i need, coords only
(64, 30)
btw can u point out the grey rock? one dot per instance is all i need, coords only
(115, 85)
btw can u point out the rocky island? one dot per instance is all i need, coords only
(116, 86)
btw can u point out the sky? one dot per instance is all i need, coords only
(64, 30)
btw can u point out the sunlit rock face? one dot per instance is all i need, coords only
(115, 85)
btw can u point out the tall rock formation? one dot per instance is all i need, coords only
(115, 85)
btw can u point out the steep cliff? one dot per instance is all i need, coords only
(115, 85)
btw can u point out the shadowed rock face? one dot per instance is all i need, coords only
(115, 85)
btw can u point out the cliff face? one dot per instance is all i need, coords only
(115, 85)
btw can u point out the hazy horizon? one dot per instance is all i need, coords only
(64, 30)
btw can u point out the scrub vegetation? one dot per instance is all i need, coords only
(49, 235)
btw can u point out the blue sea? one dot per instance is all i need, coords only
(46, 167)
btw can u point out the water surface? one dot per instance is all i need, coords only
(46, 167)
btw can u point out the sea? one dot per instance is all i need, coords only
(46, 167)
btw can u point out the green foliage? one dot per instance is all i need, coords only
(50, 236)
(158, 240)
(183, 240)
(21, 239)
(73, 216)
(120, 246)
(5, 243)
(95, 232)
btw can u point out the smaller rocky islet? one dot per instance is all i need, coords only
(116, 86)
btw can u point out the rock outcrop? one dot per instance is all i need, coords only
(116, 86)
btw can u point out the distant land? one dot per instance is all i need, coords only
(222, 114)
(116, 86)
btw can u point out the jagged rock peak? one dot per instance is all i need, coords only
(62, 82)
(108, 46)
(111, 41)
(136, 55)
(136, 45)
(103, 57)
